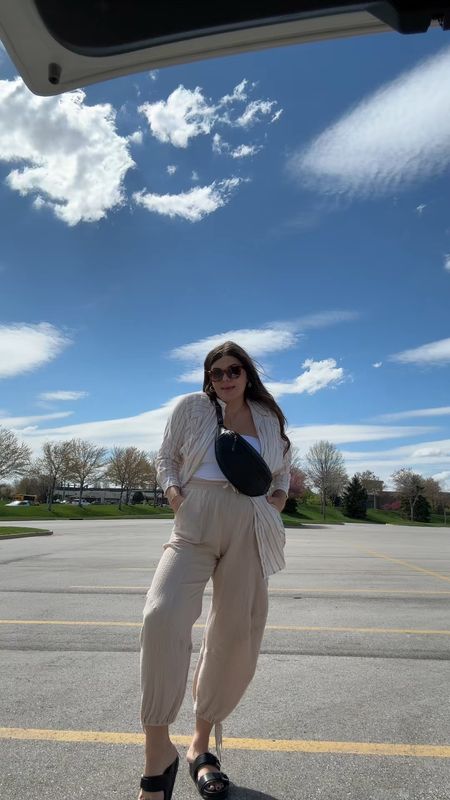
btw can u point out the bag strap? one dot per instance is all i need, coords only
(219, 414)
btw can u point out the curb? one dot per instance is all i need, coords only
(26, 535)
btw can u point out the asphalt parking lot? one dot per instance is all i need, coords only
(351, 696)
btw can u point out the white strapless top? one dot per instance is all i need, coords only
(209, 469)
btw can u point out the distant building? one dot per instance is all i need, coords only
(105, 495)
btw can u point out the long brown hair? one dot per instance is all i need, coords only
(255, 389)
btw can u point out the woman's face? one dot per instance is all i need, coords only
(228, 386)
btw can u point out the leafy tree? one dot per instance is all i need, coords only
(422, 509)
(297, 483)
(409, 485)
(325, 470)
(33, 483)
(290, 506)
(150, 478)
(85, 461)
(127, 468)
(14, 455)
(432, 490)
(394, 506)
(371, 483)
(338, 482)
(354, 499)
(6, 491)
(53, 466)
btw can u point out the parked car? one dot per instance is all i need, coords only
(19, 503)
(76, 502)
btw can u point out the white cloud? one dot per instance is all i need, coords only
(420, 209)
(194, 176)
(431, 452)
(24, 422)
(317, 375)
(194, 376)
(383, 461)
(433, 353)
(444, 479)
(218, 144)
(438, 411)
(277, 115)
(377, 364)
(192, 205)
(272, 338)
(447, 262)
(257, 341)
(137, 137)
(62, 395)
(70, 153)
(171, 169)
(397, 136)
(183, 116)
(143, 430)
(306, 435)
(254, 112)
(245, 150)
(24, 348)
(188, 113)
(323, 319)
(239, 93)
(404, 453)
(153, 74)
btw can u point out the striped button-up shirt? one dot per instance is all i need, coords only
(189, 432)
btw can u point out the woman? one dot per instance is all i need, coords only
(235, 539)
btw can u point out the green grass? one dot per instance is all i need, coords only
(12, 532)
(311, 512)
(85, 512)
(306, 513)
(388, 517)
(394, 518)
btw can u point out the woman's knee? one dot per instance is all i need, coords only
(159, 615)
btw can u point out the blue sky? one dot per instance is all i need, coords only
(295, 200)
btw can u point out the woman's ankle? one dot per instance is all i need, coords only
(159, 749)
(201, 735)
(157, 736)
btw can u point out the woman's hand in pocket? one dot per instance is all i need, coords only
(277, 500)
(175, 498)
(177, 502)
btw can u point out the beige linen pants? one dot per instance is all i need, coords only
(213, 536)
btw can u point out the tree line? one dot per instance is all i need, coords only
(130, 469)
(323, 469)
(75, 461)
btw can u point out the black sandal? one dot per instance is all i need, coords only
(162, 783)
(209, 778)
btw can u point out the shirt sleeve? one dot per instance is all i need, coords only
(282, 478)
(169, 458)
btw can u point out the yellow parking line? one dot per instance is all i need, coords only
(341, 629)
(335, 590)
(298, 628)
(404, 563)
(279, 745)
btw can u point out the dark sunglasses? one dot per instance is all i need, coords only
(217, 374)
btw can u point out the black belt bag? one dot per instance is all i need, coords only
(241, 463)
